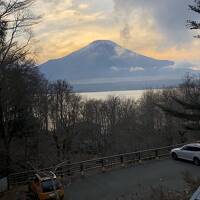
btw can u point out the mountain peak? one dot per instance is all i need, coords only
(103, 42)
(102, 59)
(101, 45)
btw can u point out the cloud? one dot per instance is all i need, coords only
(196, 68)
(125, 33)
(116, 69)
(83, 6)
(155, 28)
(74, 22)
(59, 44)
(129, 69)
(136, 69)
(119, 51)
(167, 16)
(185, 65)
(51, 6)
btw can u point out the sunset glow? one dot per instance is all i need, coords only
(153, 28)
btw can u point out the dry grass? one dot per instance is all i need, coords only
(16, 193)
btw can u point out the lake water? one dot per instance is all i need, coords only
(133, 94)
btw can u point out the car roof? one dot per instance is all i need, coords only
(194, 145)
(42, 176)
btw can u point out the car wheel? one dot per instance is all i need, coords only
(174, 156)
(196, 161)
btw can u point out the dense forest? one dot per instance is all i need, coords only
(48, 123)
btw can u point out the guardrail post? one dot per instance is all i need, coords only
(156, 154)
(139, 157)
(102, 165)
(82, 170)
(122, 160)
(69, 170)
(60, 172)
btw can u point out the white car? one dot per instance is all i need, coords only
(190, 152)
(196, 195)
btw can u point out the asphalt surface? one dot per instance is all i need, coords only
(135, 180)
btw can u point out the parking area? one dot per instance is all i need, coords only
(137, 179)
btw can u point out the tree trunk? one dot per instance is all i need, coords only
(26, 148)
(58, 152)
(63, 151)
(7, 151)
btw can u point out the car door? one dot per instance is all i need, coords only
(196, 152)
(191, 153)
(186, 153)
(181, 152)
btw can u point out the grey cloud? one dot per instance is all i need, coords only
(169, 15)
(183, 65)
(51, 5)
(125, 33)
(53, 1)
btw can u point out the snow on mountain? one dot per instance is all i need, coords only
(103, 61)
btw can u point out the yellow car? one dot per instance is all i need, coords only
(45, 186)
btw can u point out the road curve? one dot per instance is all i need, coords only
(136, 179)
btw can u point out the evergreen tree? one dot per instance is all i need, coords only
(194, 24)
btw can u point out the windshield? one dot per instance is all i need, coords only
(50, 184)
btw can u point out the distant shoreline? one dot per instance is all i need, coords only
(107, 90)
(122, 90)
(127, 94)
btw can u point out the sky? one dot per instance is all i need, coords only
(155, 28)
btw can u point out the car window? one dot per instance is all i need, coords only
(49, 185)
(186, 148)
(190, 148)
(196, 148)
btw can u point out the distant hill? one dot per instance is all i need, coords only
(104, 65)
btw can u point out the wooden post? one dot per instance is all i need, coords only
(69, 168)
(139, 157)
(82, 170)
(102, 165)
(156, 154)
(122, 160)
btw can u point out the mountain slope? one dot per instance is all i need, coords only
(102, 59)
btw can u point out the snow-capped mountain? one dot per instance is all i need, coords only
(105, 62)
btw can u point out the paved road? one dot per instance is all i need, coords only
(137, 179)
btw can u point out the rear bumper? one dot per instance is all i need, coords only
(47, 196)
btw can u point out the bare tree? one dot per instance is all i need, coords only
(16, 21)
(93, 126)
(63, 114)
(19, 87)
(19, 77)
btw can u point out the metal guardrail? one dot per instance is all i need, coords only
(99, 164)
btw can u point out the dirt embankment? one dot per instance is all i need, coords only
(15, 193)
